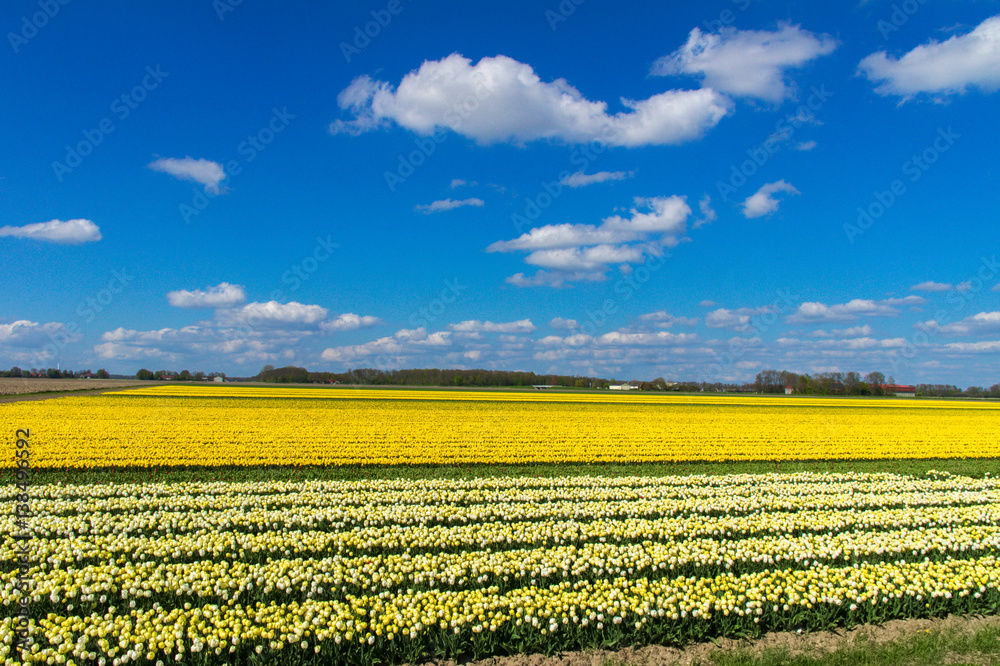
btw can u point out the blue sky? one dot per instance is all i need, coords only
(630, 191)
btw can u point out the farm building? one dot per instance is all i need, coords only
(900, 390)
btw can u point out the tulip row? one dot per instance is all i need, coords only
(409, 624)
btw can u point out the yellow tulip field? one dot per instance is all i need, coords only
(400, 570)
(215, 426)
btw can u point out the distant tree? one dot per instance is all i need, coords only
(15, 372)
(198, 376)
(875, 381)
(144, 374)
(769, 381)
(184, 375)
(160, 375)
(102, 374)
(53, 373)
(852, 381)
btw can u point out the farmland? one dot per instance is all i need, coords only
(25, 385)
(238, 558)
(185, 426)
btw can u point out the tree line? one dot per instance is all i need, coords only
(425, 377)
(183, 375)
(55, 373)
(853, 383)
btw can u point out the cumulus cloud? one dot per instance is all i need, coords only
(349, 322)
(447, 204)
(553, 279)
(813, 312)
(477, 326)
(27, 341)
(581, 179)
(390, 351)
(500, 99)
(272, 313)
(663, 319)
(69, 232)
(739, 319)
(222, 295)
(940, 68)
(746, 63)
(206, 172)
(707, 212)
(559, 323)
(852, 332)
(178, 345)
(983, 323)
(583, 251)
(763, 202)
(974, 347)
(930, 285)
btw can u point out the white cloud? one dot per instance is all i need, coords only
(206, 172)
(983, 323)
(553, 279)
(564, 246)
(739, 319)
(392, 351)
(707, 304)
(805, 145)
(974, 347)
(581, 179)
(762, 202)
(812, 312)
(584, 251)
(27, 341)
(70, 232)
(594, 258)
(746, 63)
(940, 68)
(853, 332)
(172, 345)
(477, 326)
(663, 319)
(559, 323)
(708, 214)
(458, 182)
(930, 285)
(349, 322)
(500, 99)
(446, 204)
(220, 296)
(272, 313)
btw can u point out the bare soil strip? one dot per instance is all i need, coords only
(13, 389)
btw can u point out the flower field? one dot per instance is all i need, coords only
(281, 570)
(197, 426)
(335, 572)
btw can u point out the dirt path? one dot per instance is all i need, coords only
(812, 643)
